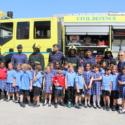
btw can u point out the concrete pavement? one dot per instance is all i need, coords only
(13, 114)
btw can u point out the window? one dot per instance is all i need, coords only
(6, 32)
(42, 30)
(23, 30)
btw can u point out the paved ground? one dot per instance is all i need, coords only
(13, 114)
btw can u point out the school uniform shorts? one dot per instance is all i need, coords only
(105, 93)
(115, 94)
(122, 92)
(58, 91)
(24, 92)
(36, 91)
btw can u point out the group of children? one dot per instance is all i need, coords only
(98, 86)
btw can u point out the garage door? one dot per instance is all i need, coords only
(119, 27)
(87, 30)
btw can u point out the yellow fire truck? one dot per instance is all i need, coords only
(42, 31)
(98, 31)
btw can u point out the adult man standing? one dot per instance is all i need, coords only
(56, 55)
(36, 57)
(8, 57)
(19, 57)
(121, 58)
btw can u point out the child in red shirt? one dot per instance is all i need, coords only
(3, 76)
(59, 85)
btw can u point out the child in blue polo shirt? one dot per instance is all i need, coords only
(26, 84)
(114, 92)
(106, 88)
(37, 84)
(121, 82)
(70, 82)
(18, 81)
(88, 91)
(79, 87)
(10, 81)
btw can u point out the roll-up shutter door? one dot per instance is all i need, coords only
(87, 30)
(119, 27)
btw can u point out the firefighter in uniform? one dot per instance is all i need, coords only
(72, 57)
(8, 57)
(36, 57)
(1, 57)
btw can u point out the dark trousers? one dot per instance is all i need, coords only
(70, 94)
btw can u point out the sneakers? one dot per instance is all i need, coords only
(56, 105)
(22, 105)
(114, 108)
(62, 104)
(69, 105)
(49, 105)
(99, 106)
(107, 108)
(37, 105)
(30, 104)
(80, 104)
(77, 106)
(120, 108)
(89, 105)
(122, 111)
(94, 106)
(104, 107)
(44, 104)
(7, 100)
(85, 105)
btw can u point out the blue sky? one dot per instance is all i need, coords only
(45, 8)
